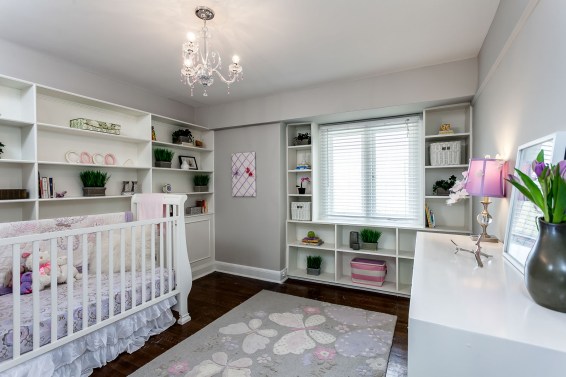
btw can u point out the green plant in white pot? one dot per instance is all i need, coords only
(163, 157)
(94, 182)
(200, 182)
(370, 238)
(313, 264)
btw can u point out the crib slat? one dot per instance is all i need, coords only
(161, 261)
(70, 281)
(85, 281)
(16, 299)
(98, 277)
(133, 269)
(143, 287)
(169, 255)
(152, 261)
(110, 273)
(54, 307)
(35, 294)
(122, 270)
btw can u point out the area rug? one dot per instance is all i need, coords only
(274, 334)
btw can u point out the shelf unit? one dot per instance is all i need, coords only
(397, 245)
(34, 124)
(456, 218)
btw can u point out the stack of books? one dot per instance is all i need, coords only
(46, 188)
(312, 241)
(430, 223)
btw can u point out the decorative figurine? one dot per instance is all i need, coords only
(60, 194)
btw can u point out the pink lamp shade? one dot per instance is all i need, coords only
(486, 177)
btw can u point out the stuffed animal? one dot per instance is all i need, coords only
(25, 283)
(62, 269)
(44, 268)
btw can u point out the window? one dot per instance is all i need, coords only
(372, 170)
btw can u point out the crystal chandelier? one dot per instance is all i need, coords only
(200, 64)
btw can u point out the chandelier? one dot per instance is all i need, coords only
(199, 64)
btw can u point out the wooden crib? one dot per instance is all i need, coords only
(127, 267)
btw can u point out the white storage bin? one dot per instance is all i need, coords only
(301, 211)
(446, 153)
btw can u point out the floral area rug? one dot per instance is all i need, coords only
(274, 334)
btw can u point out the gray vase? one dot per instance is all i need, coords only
(201, 188)
(163, 164)
(545, 270)
(313, 271)
(370, 245)
(94, 191)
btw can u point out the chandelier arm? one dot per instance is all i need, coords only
(227, 81)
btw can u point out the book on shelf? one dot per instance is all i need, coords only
(51, 188)
(44, 188)
(429, 217)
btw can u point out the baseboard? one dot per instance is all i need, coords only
(273, 276)
(202, 270)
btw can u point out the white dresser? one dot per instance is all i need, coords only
(469, 321)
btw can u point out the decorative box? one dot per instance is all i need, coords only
(301, 211)
(368, 271)
(94, 125)
(446, 153)
(13, 194)
(193, 211)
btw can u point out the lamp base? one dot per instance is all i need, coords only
(484, 238)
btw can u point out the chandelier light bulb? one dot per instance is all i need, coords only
(202, 64)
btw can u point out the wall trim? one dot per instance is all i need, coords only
(203, 270)
(273, 276)
(514, 33)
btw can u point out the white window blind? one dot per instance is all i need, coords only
(372, 169)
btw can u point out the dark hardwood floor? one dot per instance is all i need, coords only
(216, 294)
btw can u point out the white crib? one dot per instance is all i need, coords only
(127, 268)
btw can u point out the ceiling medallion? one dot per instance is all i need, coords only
(199, 64)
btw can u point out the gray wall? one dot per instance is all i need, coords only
(30, 65)
(524, 98)
(434, 83)
(250, 231)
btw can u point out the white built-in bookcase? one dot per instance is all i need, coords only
(397, 243)
(34, 124)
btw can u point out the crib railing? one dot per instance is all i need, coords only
(151, 251)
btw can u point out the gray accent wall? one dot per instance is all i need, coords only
(525, 97)
(251, 231)
(26, 64)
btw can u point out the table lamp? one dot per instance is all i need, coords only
(486, 178)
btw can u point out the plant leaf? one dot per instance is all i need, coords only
(559, 214)
(540, 156)
(533, 192)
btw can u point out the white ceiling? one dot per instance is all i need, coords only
(283, 44)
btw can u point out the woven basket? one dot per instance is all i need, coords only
(446, 153)
(301, 211)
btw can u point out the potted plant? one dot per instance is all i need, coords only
(370, 238)
(182, 136)
(1, 149)
(302, 189)
(313, 264)
(543, 278)
(302, 139)
(443, 186)
(94, 182)
(200, 182)
(163, 157)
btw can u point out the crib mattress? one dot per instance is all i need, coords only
(26, 308)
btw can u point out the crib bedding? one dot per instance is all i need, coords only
(26, 307)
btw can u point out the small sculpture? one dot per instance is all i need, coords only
(60, 194)
(477, 252)
(445, 129)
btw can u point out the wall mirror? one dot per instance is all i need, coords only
(522, 232)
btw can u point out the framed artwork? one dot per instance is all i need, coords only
(192, 161)
(522, 232)
(243, 174)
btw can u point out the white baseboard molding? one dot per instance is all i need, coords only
(202, 270)
(273, 276)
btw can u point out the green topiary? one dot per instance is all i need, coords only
(201, 180)
(314, 261)
(370, 235)
(94, 178)
(163, 154)
(311, 234)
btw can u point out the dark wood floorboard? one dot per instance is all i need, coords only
(216, 294)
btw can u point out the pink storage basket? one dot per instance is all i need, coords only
(368, 271)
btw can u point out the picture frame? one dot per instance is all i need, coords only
(521, 230)
(191, 160)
